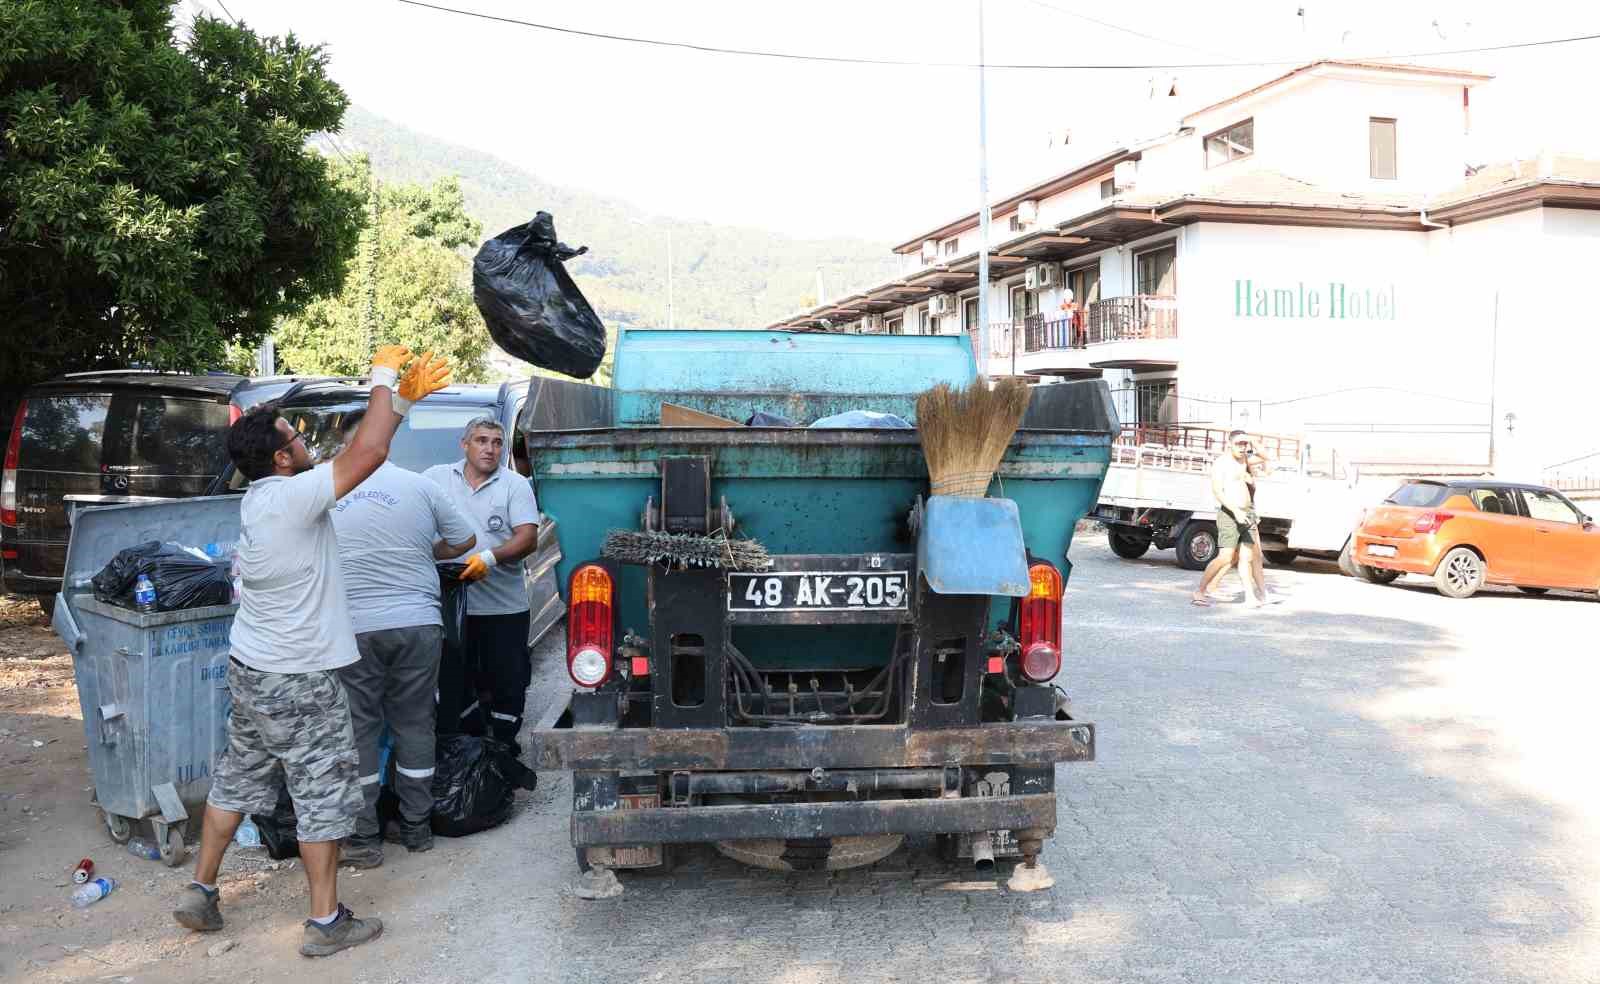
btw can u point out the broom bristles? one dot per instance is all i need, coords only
(965, 433)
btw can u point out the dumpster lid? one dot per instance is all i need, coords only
(99, 532)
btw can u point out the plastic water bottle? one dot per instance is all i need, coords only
(92, 892)
(141, 848)
(248, 835)
(144, 594)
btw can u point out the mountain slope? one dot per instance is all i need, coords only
(723, 276)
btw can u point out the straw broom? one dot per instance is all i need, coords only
(965, 433)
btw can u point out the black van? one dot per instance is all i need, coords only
(109, 437)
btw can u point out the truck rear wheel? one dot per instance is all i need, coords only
(1128, 546)
(1197, 545)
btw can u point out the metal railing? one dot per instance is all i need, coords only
(1040, 335)
(1136, 316)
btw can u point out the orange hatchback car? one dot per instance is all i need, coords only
(1468, 533)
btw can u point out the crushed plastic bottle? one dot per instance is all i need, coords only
(144, 594)
(248, 834)
(87, 895)
(141, 848)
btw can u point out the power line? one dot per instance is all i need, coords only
(228, 12)
(1128, 30)
(904, 63)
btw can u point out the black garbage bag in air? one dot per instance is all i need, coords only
(182, 578)
(474, 784)
(278, 828)
(533, 309)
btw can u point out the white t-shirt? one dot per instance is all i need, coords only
(292, 615)
(502, 503)
(387, 528)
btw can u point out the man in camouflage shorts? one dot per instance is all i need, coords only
(290, 719)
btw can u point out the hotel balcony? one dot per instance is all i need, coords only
(1139, 332)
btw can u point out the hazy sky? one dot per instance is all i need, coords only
(884, 152)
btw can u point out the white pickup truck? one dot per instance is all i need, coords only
(1157, 492)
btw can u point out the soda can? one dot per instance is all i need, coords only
(83, 872)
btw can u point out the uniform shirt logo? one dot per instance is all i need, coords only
(496, 524)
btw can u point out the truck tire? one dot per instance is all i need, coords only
(1460, 573)
(1280, 558)
(1197, 545)
(1128, 546)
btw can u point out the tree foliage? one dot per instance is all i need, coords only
(157, 199)
(407, 284)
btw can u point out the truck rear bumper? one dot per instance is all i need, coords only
(557, 744)
(693, 824)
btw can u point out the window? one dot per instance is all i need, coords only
(1108, 188)
(1156, 271)
(1016, 223)
(1501, 501)
(1084, 282)
(969, 313)
(1422, 494)
(1232, 143)
(1023, 302)
(950, 246)
(896, 326)
(1549, 507)
(928, 327)
(1381, 149)
(65, 433)
(1152, 397)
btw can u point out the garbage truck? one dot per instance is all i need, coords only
(896, 665)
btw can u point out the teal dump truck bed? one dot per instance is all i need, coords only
(884, 613)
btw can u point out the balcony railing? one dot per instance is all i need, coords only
(1137, 316)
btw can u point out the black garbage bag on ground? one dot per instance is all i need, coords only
(182, 579)
(533, 309)
(278, 828)
(459, 710)
(474, 784)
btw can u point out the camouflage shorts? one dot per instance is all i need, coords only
(290, 728)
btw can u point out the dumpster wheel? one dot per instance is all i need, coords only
(118, 826)
(173, 850)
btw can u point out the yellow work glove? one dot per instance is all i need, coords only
(426, 375)
(478, 566)
(386, 363)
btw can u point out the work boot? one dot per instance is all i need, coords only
(198, 910)
(417, 837)
(361, 852)
(343, 933)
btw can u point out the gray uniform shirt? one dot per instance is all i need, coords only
(502, 503)
(387, 527)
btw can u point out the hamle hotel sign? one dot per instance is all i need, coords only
(1338, 301)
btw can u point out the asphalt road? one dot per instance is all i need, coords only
(1363, 783)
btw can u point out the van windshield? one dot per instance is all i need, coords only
(1423, 494)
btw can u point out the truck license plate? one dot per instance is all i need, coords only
(1380, 550)
(819, 591)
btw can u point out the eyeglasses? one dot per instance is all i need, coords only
(290, 442)
(1242, 444)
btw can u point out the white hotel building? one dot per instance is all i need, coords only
(1312, 256)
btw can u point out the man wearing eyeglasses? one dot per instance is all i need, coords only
(290, 718)
(1233, 478)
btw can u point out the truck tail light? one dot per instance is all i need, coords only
(589, 622)
(8, 480)
(1039, 625)
(234, 413)
(1431, 522)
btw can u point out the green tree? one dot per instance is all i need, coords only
(407, 284)
(157, 200)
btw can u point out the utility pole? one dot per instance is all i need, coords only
(983, 207)
(670, 320)
(1494, 368)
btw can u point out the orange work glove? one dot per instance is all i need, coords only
(426, 375)
(478, 566)
(386, 363)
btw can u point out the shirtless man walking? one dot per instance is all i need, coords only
(1238, 530)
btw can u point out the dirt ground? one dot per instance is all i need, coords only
(47, 824)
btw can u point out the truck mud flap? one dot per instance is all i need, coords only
(556, 744)
(795, 821)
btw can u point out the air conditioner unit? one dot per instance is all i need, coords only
(1049, 275)
(1125, 175)
(1030, 278)
(1028, 212)
(930, 250)
(941, 305)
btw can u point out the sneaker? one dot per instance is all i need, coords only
(344, 932)
(361, 852)
(417, 837)
(197, 910)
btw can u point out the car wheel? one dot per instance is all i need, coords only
(1280, 558)
(1197, 546)
(1533, 591)
(47, 604)
(1128, 546)
(1377, 575)
(1460, 573)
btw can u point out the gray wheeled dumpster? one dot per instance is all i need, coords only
(153, 688)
